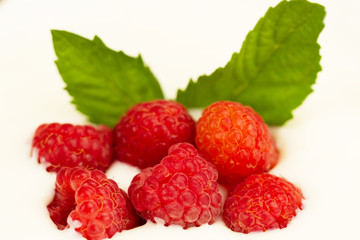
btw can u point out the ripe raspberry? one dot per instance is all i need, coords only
(181, 189)
(236, 140)
(261, 202)
(66, 145)
(94, 204)
(147, 130)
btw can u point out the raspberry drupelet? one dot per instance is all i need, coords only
(181, 189)
(148, 129)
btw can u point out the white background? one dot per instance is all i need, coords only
(178, 40)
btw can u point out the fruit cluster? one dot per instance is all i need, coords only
(182, 163)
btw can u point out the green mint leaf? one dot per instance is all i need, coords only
(275, 68)
(103, 83)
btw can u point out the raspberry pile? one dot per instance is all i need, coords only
(181, 165)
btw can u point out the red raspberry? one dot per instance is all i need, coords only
(261, 202)
(181, 189)
(94, 204)
(236, 139)
(66, 145)
(147, 130)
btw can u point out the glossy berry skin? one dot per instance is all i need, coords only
(236, 140)
(147, 130)
(180, 190)
(91, 203)
(261, 202)
(66, 145)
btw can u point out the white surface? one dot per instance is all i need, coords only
(178, 41)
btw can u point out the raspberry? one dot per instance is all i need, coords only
(147, 130)
(181, 189)
(236, 140)
(94, 204)
(263, 201)
(66, 145)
